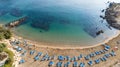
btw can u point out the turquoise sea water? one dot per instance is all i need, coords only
(66, 20)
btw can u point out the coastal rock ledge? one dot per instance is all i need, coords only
(112, 15)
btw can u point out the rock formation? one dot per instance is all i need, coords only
(112, 15)
(16, 22)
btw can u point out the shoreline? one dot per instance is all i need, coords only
(71, 51)
(38, 44)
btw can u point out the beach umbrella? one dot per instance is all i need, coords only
(115, 48)
(50, 63)
(60, 58)
(19, 49)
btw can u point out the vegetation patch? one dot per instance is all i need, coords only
(5, 33)
(10, 59)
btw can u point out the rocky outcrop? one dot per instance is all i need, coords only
(16, 22)
(112, 15)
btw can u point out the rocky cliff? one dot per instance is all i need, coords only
(112, 15)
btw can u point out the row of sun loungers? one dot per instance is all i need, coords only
(67, 64)
(82, 64)
(68, 58)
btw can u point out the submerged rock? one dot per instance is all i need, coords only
(15, 12)
(93, 31)
(64, 21)
(112, 15)
(40, 24)
(3, 12)
(99, 32)
(41, 20)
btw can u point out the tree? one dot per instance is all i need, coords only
(5, 33)
(2, 46)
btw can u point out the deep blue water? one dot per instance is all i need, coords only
(71, 23)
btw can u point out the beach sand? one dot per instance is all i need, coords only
(69, 51)
(65, 51)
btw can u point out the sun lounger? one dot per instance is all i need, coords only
(49, 58)
(92, 54)
(32, 52)
(21, 61)
(75, 58)
(36, 58)
(68, 58)
(97, 53)
(72, 59)
(65, 65)
(90, 63)
(53, 57)
(68, 63)
(97, 61)
(39, 54)
(81, 55)
(107, 55)
(24, 53)
(102, 51)
(106, 47)
(104, 58)
(82, 65)
(75, 64)
(59, 64)
(112, 53)
(87, 57)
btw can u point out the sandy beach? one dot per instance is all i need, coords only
(65, 51)
(30, 53)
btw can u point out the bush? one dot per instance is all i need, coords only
(2, 46)
(10, 60)
(5, 33)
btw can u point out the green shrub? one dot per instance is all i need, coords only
(5, 33)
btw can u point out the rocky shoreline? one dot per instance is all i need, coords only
(112, 15)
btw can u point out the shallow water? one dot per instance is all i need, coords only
(65, 21)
